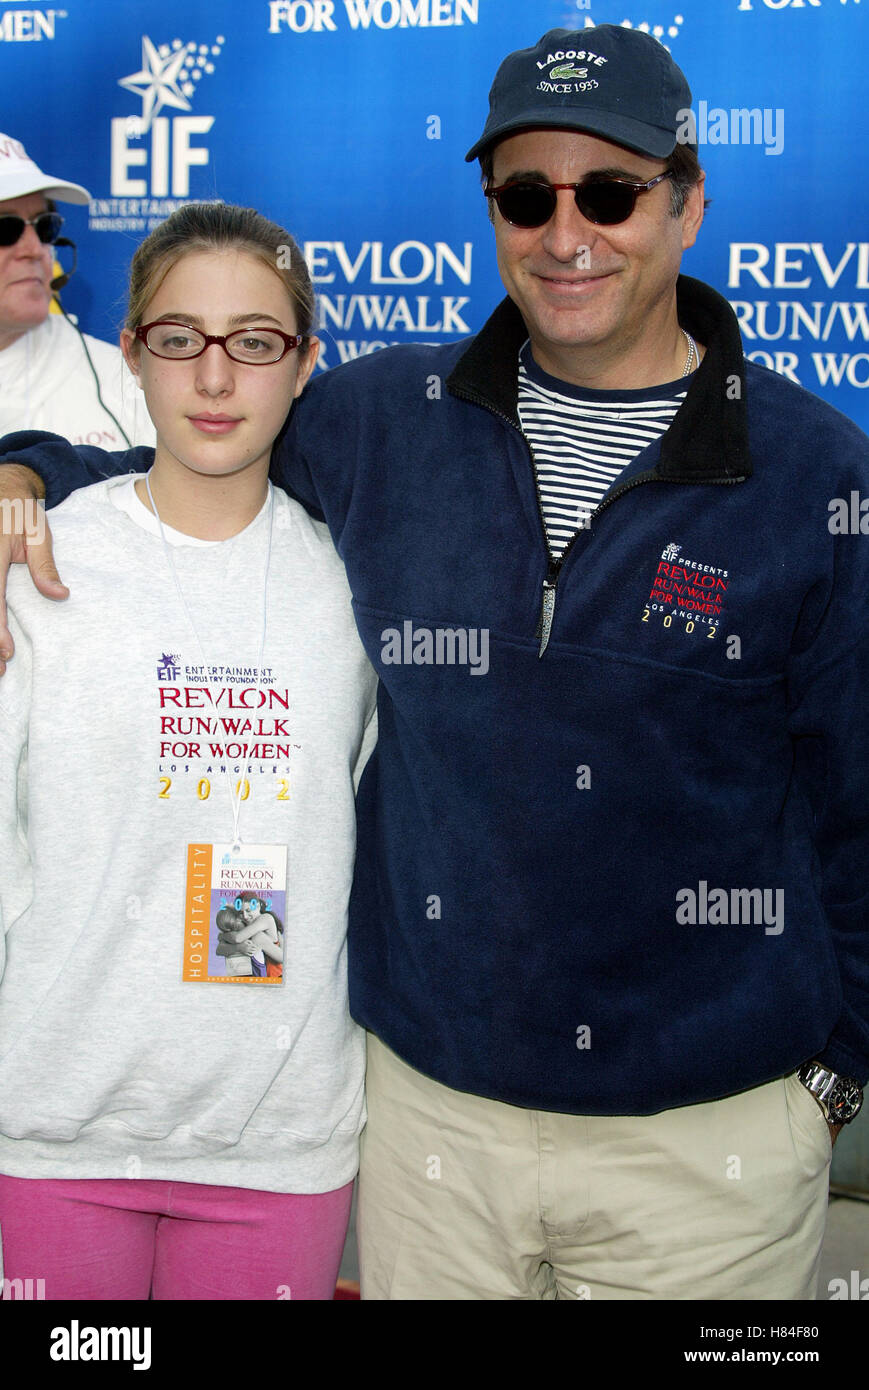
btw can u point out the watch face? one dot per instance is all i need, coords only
(844, 1101)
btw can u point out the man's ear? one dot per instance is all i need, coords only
(692, 215)
(130, 349)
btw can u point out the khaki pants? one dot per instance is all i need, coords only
(466, 1198)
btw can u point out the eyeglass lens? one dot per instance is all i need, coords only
(247, 345)
(532, 204)
(47, 227)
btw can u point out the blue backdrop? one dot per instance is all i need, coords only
(347, 121)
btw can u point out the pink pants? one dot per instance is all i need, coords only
(128, 1239)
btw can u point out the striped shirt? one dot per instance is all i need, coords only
(582, 439)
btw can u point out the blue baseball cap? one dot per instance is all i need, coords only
(620, 84)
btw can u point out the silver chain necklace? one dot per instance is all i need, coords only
(692, 352)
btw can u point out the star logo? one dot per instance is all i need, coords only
(167, 667)
(157, 82)
(167, 75)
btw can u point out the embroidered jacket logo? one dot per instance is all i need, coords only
(691, 591)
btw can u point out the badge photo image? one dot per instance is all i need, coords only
(234, 913)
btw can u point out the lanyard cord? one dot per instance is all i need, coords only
(234, 798)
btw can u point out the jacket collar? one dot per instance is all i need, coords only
(708, 436)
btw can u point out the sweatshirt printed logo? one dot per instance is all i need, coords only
(168, 668)
(691, 591)
(222, 712)
(219, 719)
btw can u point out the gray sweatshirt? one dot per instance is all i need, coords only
(112, 743)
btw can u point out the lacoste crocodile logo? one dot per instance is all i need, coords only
(566, 71)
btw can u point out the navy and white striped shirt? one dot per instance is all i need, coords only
(582, 439)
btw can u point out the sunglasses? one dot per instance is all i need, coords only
(47, 227)
(178, 342)
(603, 200)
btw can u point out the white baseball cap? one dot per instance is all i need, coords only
(19, 176)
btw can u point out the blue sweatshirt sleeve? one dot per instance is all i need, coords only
(829, 719)
(64, 467)
(290, 466)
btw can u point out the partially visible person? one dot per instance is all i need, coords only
(52, 376)
(236, 958)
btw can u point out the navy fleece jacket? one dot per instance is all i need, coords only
(631, 872)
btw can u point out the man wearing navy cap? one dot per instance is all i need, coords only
(608, 930)
(576, 1087)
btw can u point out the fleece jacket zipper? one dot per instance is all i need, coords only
(553, 566)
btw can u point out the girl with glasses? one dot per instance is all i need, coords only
(175, 747)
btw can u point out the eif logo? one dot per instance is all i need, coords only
(162, 146)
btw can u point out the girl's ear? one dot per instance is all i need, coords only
(130, 349)
(306, 366)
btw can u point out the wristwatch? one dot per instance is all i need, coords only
(840, 1097)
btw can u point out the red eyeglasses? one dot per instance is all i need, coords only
(256, 347)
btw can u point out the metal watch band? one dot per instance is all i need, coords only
(840, 1097)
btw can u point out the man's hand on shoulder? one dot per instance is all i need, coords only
(24, 539)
